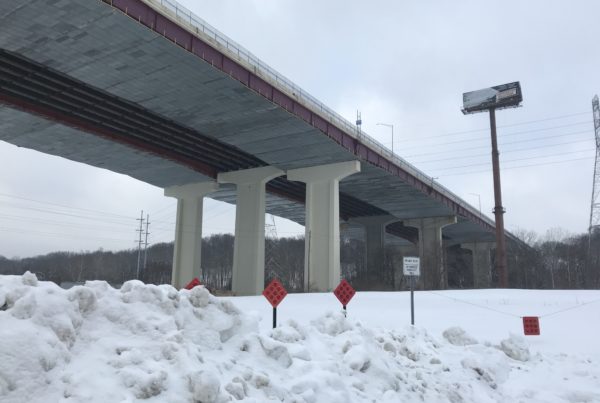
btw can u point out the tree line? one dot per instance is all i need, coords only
(556, 260)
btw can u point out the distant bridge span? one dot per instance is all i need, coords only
(145, 88)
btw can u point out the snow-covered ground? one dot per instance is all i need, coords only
(94, 343)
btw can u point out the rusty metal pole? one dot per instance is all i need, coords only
(501, 266)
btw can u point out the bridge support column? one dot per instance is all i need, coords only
(433, 273)
(375, 241)
(187, 252)
(249, 246)
(482, 262)
(322, 222)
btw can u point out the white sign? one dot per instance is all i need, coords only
(411, 266)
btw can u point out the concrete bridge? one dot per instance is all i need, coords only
(146, 89)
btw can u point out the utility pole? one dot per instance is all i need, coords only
(146, 244)
(141, 231)
(595, 207)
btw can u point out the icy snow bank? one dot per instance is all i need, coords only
(94, 343)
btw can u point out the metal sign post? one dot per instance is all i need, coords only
(411, 268)
(412, 300)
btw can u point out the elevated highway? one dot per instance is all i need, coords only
(146, 89)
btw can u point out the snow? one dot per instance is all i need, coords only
(94, 343)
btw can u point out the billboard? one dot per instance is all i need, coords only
(500, 96)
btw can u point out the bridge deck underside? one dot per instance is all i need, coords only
(104, 49)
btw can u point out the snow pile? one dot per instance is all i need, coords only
(150, 343)
(515, 347)
(457, 336)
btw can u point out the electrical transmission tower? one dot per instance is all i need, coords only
(595, 208)
(270, 239)
(140, 242)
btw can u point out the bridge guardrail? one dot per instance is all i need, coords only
(240, 54)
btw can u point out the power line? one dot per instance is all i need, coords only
(501, 135)
(518, 159)
(228, 208)
(516, 167)
(62, 205)
(56, 234)
(63, 224)
(502, 126)
(166, 207)
(507, 143)
(478, 155)
(17, 206)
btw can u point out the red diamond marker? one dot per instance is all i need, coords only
(193, 283)
(274, 293)
(344, 292)
(531, 325)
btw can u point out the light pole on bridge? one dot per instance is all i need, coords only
(391, 127)
(479, 200)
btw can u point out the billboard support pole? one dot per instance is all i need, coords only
(501, 266)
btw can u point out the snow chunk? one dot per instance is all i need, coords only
(29, 279)
(237, 388)
(144, 384)
(332, 324)
(516, 348)
(357, 358)
(286, 334)
(276, 350)
(24, 307)
(205, 386)
(85, 297)
(199, 297)
(457, 336)
(492, 369)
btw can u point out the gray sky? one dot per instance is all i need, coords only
(401, 63)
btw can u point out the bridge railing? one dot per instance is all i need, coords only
(238, 52)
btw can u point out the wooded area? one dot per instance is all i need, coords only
(554, 261)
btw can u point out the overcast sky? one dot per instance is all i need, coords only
(401, 63)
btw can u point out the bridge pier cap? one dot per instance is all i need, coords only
(375, 239)
(187, 252)
(434, 275)
(322, 222)
(482, 262)
(248, 275)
